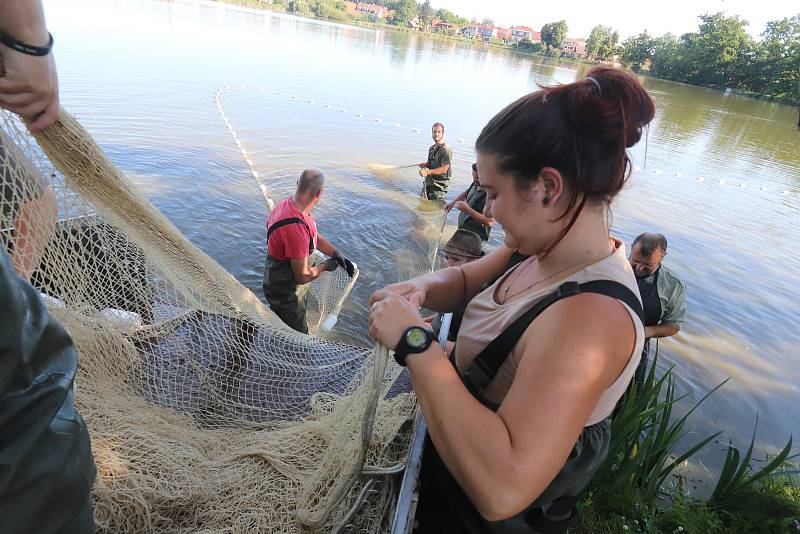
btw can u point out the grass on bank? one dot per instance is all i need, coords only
(636, 490)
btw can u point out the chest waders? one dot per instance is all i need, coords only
(434, 185)
(467, 222)
(46, 464)
(652, 316)
(444, 507)
(280, 287)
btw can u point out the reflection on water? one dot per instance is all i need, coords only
(720, 174)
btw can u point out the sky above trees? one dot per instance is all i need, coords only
(629, 17)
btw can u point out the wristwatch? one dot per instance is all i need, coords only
(414, 340)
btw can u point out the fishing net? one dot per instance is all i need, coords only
(205, 412)
(324, 297)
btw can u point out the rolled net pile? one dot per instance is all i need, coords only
(205, 412)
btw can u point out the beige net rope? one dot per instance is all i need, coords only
(205, 412)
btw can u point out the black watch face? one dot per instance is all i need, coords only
(416, 338)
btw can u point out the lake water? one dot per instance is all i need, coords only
(721, 176)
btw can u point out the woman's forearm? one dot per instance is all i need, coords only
(451, 289)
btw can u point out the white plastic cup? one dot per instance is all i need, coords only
(328, 324)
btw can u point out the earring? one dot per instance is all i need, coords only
(546, 201)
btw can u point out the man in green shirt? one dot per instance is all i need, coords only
(436, 170)
(662, 292)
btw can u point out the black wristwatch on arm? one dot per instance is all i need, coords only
(415, 340)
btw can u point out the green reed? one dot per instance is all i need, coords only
(629, 492)
(643, 440)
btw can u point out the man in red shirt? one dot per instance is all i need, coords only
(291, 238)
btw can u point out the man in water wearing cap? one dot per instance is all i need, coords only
(464, 247)
(291, 238)
(436, 170)
(472, 205)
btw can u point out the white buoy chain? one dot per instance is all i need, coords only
(380, 121)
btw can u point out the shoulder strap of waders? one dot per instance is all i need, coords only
(486, 365)
(436, 149)
(287, 222)
(469, 190)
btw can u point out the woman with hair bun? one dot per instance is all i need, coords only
(520, 419)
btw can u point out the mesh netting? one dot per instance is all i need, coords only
(204, 410)
(324, 297)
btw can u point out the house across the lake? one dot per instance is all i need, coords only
(524, 33)
(574, 47)
(373, 10)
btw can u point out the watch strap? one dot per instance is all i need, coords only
(403, 349)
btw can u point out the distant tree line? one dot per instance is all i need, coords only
(602, 42)
(719, 54)
(406, 10)
(722, 54)
(325, 9)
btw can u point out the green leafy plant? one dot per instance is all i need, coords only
(643, 439)
(771, 504)
(687, 515)
(737, 474)
(626, 492)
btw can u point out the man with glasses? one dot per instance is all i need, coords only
(663, 296)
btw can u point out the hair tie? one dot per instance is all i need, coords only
(594, 81)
